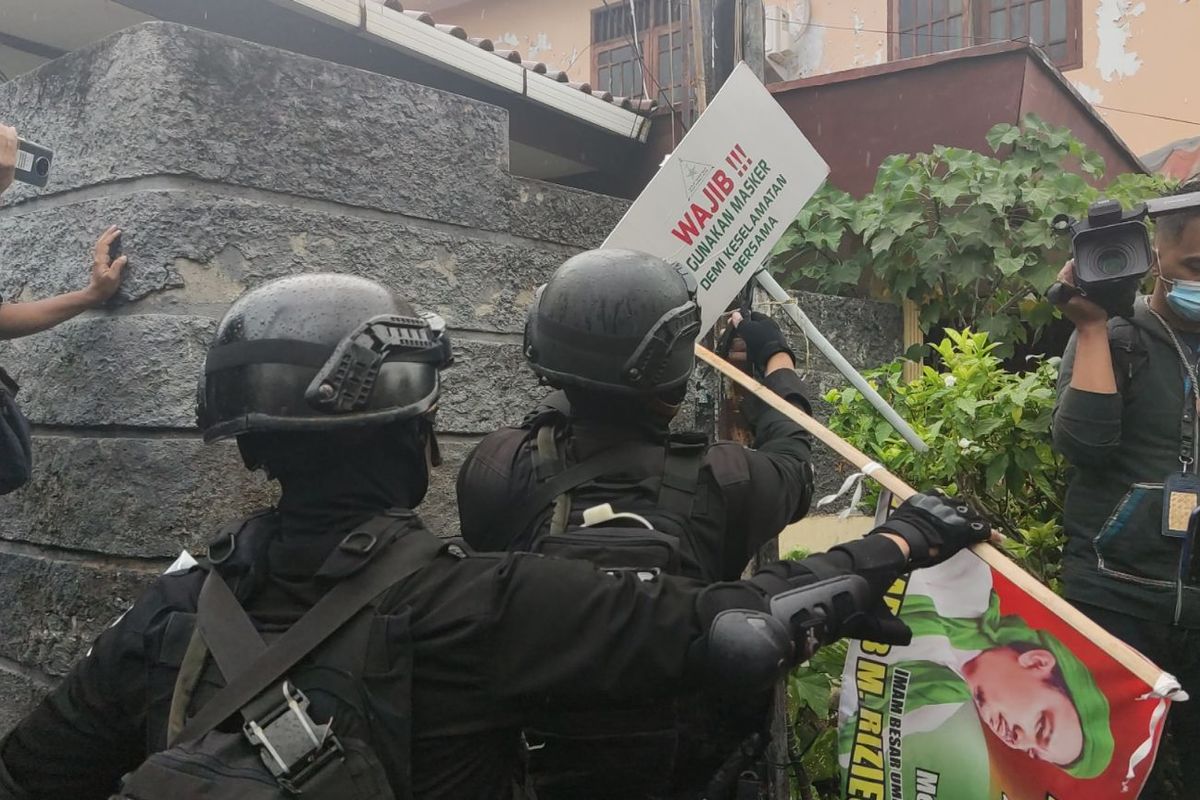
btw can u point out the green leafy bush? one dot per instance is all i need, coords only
(988, 432)
(989, 436)
(966, 236)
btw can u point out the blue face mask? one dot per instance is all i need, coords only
(1184, 298)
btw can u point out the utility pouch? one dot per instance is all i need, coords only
(646, 552)
(1181, 494)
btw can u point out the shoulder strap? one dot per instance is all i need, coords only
(546, 494)
(681, 474)
(1128, 349)
(406, 555)
(226, 628)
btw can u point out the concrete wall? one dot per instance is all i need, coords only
(228, 164)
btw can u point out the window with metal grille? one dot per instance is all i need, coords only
(616, 66)
(921, 27)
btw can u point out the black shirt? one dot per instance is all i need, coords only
(494, 637)
(747, 496)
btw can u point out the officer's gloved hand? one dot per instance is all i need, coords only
(763, 338)
(879, 625)
(935, 528)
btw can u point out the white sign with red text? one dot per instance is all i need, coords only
(725, 196)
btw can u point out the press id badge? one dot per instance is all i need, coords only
(1181, 494)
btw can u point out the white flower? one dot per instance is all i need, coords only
(963, 444)
(949, 380)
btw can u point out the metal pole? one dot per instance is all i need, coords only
(777, 293)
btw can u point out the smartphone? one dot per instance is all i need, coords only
(33, 163)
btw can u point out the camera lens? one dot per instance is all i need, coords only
(41, 166)
(1112, 261)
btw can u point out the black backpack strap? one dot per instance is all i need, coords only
(547, 494)
(226, 628)
(1128, 350)
(191, 666)
(406, 555)
(681, 474)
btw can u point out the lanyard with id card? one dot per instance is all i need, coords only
(1181, 490)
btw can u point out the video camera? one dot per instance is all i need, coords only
(1112, 251)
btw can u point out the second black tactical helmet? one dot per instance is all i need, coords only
(320, 352)
(615, 321)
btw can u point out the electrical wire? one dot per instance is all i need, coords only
(1151, 116)
(962, 36)
(965, 37)
(660, 92)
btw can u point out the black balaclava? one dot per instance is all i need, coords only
(653, 412)
(332, 481)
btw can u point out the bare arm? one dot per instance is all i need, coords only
(8, 156)
(22, 319)
(1093, 367)
(1093, 360)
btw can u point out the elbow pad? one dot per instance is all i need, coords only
(748, 651)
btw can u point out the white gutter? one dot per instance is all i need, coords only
(393, 29)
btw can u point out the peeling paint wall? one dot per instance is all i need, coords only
(1141, 56)
(556, 34)
(1138, 55)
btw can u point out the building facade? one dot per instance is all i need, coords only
(1129, 58)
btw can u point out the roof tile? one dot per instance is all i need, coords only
(536, 67)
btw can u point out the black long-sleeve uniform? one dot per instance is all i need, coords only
(492, 637)
(745, 496)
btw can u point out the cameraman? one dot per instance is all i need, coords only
(1125, 420)
(22, 319)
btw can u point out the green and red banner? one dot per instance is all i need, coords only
(996, 697)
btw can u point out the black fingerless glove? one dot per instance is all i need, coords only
(763, 339)
(929, 522)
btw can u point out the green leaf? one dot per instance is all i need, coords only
(810, 689)
(1009, 265)
(995, 470)
(821, 760)
(917, 352)
(1002, 134)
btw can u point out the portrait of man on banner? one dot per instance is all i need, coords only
(986, 699)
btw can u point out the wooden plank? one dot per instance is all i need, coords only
(1125, 655)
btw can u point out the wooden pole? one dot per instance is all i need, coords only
(1125, 655)
(912, 336)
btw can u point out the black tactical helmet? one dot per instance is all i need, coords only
(615, 321)
(317, 352)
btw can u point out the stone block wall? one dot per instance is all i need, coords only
(228, 164)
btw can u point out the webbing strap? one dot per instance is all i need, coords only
(546, 494)
(405, 556)
(681, 476)
(227, 630)
(546, 459)
(190, 668)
